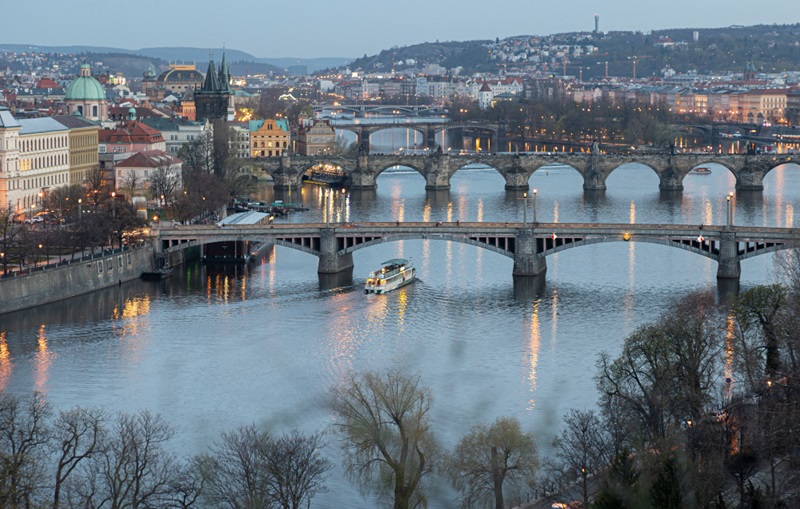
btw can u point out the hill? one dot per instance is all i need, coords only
(772, 48)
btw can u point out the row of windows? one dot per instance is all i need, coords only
(33, 145)
(269, 144)
(39, 182)
(80, 110)
(79, 159)
(37, 163)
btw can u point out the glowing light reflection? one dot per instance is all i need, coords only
(5, 362)
(42, 361)
(533, 352)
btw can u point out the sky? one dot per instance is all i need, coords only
(352, 28)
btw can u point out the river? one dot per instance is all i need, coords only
(213, 348)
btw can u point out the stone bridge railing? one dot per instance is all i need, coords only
(527, 244)
(362, 171)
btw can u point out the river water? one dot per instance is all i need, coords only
(213, 348)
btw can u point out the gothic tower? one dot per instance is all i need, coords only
(212, 99)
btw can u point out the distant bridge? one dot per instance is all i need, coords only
(429, 130)
(409, 109)
(527, 244)
(362, 171)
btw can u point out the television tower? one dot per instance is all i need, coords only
(596, 23)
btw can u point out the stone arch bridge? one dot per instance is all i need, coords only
(362, 171)
(527, 244)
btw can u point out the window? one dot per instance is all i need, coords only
(94, 111)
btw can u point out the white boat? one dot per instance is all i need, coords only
(392, 275)
(701, 171)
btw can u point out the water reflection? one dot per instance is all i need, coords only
(42, 361)
(533, 352)
(5, 362)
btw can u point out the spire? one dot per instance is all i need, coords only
(224, 75)
(211, 83)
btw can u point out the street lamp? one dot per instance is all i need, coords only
(80, 212)
(730, 208)
(534, 205)
(525, 209)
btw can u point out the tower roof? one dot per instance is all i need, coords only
(211, 83)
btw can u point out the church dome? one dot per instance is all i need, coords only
(85, 88)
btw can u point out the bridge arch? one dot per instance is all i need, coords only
(423, 236)
(709, 249)
(789, 163)
(420, 169)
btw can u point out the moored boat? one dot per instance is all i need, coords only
(701, 171)
(392, 275)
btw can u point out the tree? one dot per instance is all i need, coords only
(388, 445)
(163, 182)
(236, 473)
(24, 434)
(133, 468)
(297, 471)
(76, 437)
(489, 458)
(581, 449)
(10, 235)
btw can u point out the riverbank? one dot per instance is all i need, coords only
(42, 285)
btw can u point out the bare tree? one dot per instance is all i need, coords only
(10, 236)
(24, 434)
(297, 471)
(131, 183)
(236, 473)
(134, 469)
(388, 445)
(489, 459)
(164, 182)
(76, 437)
(581, 449)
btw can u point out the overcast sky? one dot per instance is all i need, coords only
(351, 28)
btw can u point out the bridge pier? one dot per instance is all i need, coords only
(330, 261)
(729, 265)
(593, 181)
(527, 260)
(669, 181)
(362, 178)
(517, 181)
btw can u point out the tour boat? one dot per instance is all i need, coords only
(701, 171)
(392, 275)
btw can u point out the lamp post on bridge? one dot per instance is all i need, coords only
(534, 206)
(524, 210)
(729, 208)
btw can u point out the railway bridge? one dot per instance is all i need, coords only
(527, 244)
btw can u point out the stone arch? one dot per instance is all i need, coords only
(420, 236)
(775, 164)
(701, 163)
(403, 164)
(660, 175)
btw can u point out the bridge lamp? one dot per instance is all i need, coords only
(534, 204)
(626, 237)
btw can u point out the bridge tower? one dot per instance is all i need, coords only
(528, 257)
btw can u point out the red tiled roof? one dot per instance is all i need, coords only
(148, 159)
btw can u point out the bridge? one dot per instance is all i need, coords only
(407, 109)
(361, 171)
(429, 130)
(527, 244)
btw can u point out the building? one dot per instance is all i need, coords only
(177, 132)
(214, 99)
(316, 139)
(34, 159)
(269, 138)
(179, 78)
(86, 96)
(239, 140)
(83, 144)
(143, 166)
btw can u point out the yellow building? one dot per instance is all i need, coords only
(269, 138)
(83, 144)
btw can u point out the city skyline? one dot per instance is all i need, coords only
(324, 29)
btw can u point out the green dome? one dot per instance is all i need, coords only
(85, 88)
